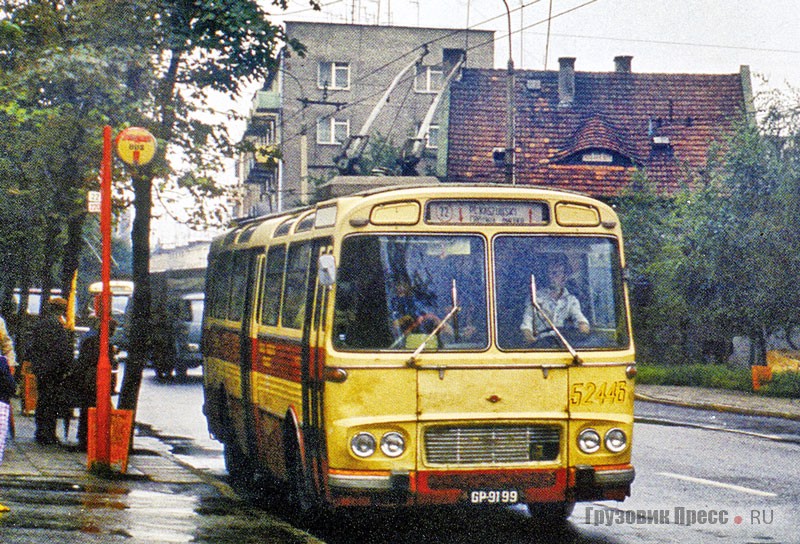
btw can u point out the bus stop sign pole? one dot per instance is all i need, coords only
(103, 400)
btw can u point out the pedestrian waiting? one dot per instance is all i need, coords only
(50, 353)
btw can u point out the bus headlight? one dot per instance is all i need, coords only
(589, 441)
(393, 444)
(616, 440)
(363, 444)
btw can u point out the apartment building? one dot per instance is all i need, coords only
(306, 114)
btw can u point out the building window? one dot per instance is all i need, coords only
(333, 75)
(332, 131)
(432, 137)
(429, 79)
(598, 157)
(266, 132)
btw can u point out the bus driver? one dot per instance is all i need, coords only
(561, 306)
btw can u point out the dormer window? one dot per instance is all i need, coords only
(597, 157)
(661, 140)
(594, 157)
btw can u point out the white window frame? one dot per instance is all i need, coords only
(327, 72)
(428, 79)
(327, 126)
(432, 142)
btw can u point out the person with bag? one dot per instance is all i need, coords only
(8, 386)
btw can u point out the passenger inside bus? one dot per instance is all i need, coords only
(409, 312)
(393, 291)
(561, 306)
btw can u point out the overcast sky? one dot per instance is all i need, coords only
(692, 36)
(677, 36)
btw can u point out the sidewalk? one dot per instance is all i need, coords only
(25, 458)
(54, 498)
(721, 400)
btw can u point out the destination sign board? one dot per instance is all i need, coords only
(479, 212)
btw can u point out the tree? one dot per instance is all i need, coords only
(719, 257)
(151, 63)
(55, 91)
(196, 47)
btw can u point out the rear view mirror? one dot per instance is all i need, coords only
(326, 270)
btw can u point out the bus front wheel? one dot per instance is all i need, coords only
(301, 494)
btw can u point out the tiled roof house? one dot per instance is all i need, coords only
(590, 131)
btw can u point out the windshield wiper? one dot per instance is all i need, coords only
(575, 357)
(412, 361)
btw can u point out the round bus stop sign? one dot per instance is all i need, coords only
(136, 146)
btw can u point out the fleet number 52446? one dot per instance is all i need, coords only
(582, 393)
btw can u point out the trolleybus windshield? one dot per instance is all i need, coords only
(578, 283)
(393, 290)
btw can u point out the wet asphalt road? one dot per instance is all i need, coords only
(687, 461)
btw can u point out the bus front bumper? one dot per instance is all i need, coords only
(581, 483)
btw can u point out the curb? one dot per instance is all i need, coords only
(719, 407)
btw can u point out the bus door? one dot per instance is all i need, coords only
(312, 366)
(246, 268)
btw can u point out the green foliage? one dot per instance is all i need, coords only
(782, 384)
(718, 258)
(696, 375)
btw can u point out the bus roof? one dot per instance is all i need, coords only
(330, 213)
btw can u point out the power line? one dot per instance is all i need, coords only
(685, 44)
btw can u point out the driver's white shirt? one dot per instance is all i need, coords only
(559, 310)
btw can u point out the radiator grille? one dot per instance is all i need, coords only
(453, 444)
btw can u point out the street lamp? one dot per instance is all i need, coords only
(509, 155)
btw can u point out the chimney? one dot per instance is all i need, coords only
(622, 64)
(566, 81)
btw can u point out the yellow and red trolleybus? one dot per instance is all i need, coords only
(411, 346)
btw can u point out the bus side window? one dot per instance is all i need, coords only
(273, 280)
(220, 284)
(294, 296)
(238, 287)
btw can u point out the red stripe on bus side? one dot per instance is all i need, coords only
(278, 359)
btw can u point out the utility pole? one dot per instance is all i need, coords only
(510, 129)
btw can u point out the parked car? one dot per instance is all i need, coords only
(178, 347)
(189, 331)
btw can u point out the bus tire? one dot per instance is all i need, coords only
(551, 514)
(237, 463)
(302, 498)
